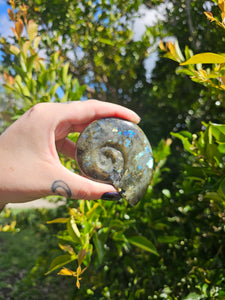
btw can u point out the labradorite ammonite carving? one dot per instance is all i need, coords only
(117, 152)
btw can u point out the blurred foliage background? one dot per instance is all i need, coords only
(171, 245)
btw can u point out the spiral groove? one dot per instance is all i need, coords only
(116, 151)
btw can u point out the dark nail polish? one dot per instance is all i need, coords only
(111, 196)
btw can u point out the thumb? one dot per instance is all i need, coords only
(75, 186)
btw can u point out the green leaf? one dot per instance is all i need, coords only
(66, 238)
(52, 75)
(166, 193)
(32, 85)
(188, 52)
(143, 243)
(188, 72)
(119, 236)
(60, 261)
(221, 190)
(65, 73)
(19, 71)
(205, 58)
(162, 150)
(22, 89)
(193, 296)
(116, 224)
(54, 58)
(213, 196)
(99, 245)
(30, 62)
(168, 239)
(218, 131)
(91, 212)
(197, 172)
(9, 87)
(186, 134)
(106, 41)
(221, 148)
(53, 89)
(187, 145)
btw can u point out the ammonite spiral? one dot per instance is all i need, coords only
(117, 152)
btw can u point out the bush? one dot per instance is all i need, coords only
(171, 246)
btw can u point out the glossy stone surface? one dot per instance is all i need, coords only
(117, 152)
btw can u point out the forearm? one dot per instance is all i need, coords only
(1, 207)
(3, 177)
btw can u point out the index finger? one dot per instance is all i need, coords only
(84, 112)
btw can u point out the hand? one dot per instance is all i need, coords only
(29, 164)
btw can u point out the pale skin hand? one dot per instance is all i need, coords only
(29, 164)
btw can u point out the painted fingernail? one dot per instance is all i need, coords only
(111, 196)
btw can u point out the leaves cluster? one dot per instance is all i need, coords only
(33, 78)
(171, 246)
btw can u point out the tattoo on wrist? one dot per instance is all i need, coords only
(61, 188)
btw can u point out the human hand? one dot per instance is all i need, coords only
(29, 163)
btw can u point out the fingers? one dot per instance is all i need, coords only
(74, 186)
(66, 147)
(83, 112)
(55, 121)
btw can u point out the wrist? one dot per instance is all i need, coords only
(2, 206)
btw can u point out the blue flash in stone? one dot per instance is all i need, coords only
(116, 152)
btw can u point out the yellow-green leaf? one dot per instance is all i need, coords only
(58, 220)
(66, 272)
(73, 212)
(106, 41)
(32, 29)
(205, 58)
(26, 46)
(90, 213)
(65, 69)
(67, 248)
(37, 41)
(14, 50)
(73, 230)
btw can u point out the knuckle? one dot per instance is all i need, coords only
(37, 109)
(85, 193)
